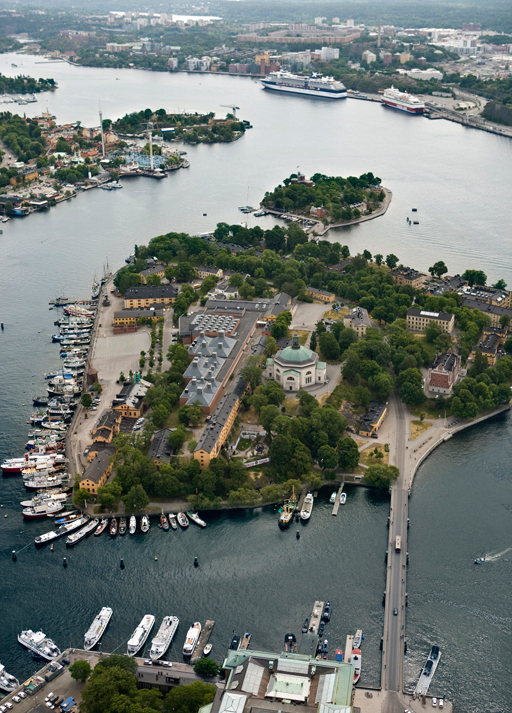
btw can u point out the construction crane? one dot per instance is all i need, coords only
(230, 106)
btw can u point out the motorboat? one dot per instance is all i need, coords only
(113, 527)
(141, 633)
(207, 650)
(164, 636)
(122, 526)
(290, 644)
(80, 535)
(305, 626)
(172, 521)
(358, 639)
(192, 638)
(101, 527)
(356, 662)
(144, 524)
(64, 529)
(343, 499)
(183, 520)
(164, 523)
(132, 528)
(307, 507)
(332, 499)
(326, 614)
(195, 518)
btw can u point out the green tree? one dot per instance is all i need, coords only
(327, 457)
(500, 285)
(236, 280)
(9, 205)
(271, 347)
(438, 269)
(188, 699)
(106, 686)
(378, 259)
(190, 414)
(348, 453)
(432, 331)
(381, 476)
(312, 341)
(475, 277)
(81, 497)
(160, 415)
(382, 385)
(177, 438)
(86, 400)
(329, 346)
(508, 345)
(505, 321)
(109, 495)
(136, 499)
(252, 372)
(391, 261)
(184, 272)
(80, 670)
(411, 391)
(267, 416)
(206, 667)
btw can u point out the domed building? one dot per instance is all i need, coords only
(296, 367)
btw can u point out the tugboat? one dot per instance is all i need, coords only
(113, 527)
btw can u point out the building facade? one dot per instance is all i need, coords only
(443, 374)
(296, 367)
(359, 320)
(373, 419)
(418, 319)
(320, 295)
(149, 296)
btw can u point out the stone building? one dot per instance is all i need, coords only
(296, 367)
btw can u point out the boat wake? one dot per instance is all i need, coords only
(491, 557)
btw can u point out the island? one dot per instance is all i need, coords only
(324, 202)
(25, 85)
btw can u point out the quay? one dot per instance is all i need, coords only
(349, 645)
(203, 640)
(316, 617)
(336, 505)
(246, 641)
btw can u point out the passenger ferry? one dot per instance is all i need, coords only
(97, 628)
(141, 633)
(193, 635)
(403, 101)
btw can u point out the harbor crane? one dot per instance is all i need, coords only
(232, 107)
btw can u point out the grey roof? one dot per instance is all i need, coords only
(212, 322)
(281, 299)
(226, 405)
(98, 467)
(220, 345)
(359, 316)
(201, 390)
(108, 419)
(320, 292)
(159, 449)
(155, 269)
(441, 316)
(485, 307)
(489, 344)
(137, 313)
(144, 292)
(446, 362)
(237, 306)
(375, 411)
(202, 367)
(406, 272)
(451, 284)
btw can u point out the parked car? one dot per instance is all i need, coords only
(16, 699)
(434, 702)
(148, 662)
(9, 705)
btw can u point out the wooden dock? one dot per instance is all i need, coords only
(349, 645)
(336, 505)
(245, 641)
(316, 617)
(203, 640)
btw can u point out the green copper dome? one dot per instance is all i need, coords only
(296, 353)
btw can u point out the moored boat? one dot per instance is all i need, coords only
(65, 529)
(39, 644)
(358, 639)
(97, 628)
(356, 662)
(144, 524)
(288, 509)
(172, 521)
(195, 518)
(207, 650)
(395, 99)
(333, 497)
(49, 507)
(113, 527)
(191, 639)
(343, 499)
(8, 683)
(133, 525)
(122, 526)
(307, 507)
(326, 614)
(101, 527)
(182, 520)
(80, 535)
(164, 523)
(316, 85)
(141, 633)
(164, 636)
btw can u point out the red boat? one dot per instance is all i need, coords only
(164, 523)
(113, 527)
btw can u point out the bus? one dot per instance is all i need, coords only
(398, 544)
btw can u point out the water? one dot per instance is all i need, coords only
(459, 179)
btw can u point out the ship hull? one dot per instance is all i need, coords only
(403, 107)
(306, 92)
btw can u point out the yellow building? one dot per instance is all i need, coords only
(205, 271)
(158, 270)
(320, 295)
(215, 435)
(405, 276)
(418, 319)
(373, 419)
(97, 473)
(108, 426)
(149, 296)
(131, 316)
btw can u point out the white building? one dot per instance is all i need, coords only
(296, 367)
(328, 53)
(425, 74)
(173, 63)
(368, 57)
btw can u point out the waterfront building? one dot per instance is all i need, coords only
(418, 319)
(107, 427)
(359, 320)
(98, 447)
(159, 450)
(449, 284)
(442, 375)
(494, 312)
(373, 419)
(489, 295)
(321, 295)
(130, 316)
(96, 473)
(296, 367)
(150, 295)
(158, 270)
(407, 276)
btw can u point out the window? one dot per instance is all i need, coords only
(290, 378)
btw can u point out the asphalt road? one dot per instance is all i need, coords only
(394, 625)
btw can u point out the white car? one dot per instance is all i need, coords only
(22, 694)
(50, 695)
(441, 703)
(9, 705)
(16, 699)
(434, 702)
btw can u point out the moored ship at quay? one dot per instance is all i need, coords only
(39, 644)
(97, 628)
(140, 635)
(403, 101)
(316, 85)
(164, 636)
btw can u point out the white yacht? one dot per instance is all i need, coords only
(39, 644)
(141, 633)
(133, 525)
(144, 523)
(163, 639)
(7, 682)
(97, 628)
(307, 507)
(193, 635)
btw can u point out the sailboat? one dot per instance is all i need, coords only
(107, 273)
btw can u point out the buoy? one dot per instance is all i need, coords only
(51, 548)
(196, 562)
(1, 506)
(5, 515)
(122, 564)
(156, 559)
(65, 562)
(298, 535)
(14, 556)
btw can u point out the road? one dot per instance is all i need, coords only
(394, 625)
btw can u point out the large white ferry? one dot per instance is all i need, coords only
(192, 638)
(97, 628)
(315, 85)
(403, 101)
(141, 633)
(39, 644)
(163, 639)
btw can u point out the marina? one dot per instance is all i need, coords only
(202, 643)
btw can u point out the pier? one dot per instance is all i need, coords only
(349, 645)
(316, 617)
(336, 505)
(203, 640)
(246, 641)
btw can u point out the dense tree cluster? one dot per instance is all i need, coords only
(24, 138)
(484, 388)
(21, 84)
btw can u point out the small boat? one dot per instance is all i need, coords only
(122, 526)
(321, 628)
(133, 525)
(235, 643)
(207, 650)
(101, 527)
(113, 527)
(356, 661)
(195, 518)
(192, 638)
(183, 520)
(164, 523)
(144, 523)
(307, 507)
(343, 499)
(79, 535)
(7, 681)
(64, 529)
(172, 521)
(305, 626)
(326, 614)
(358, 638)
(286, 515)
(332, 499)
(290, 644)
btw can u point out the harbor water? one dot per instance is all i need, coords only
(251, 576)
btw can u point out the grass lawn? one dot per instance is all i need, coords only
(303, 335)
(429, 408)
(336, 316)
(366, 458)
(419, 427)
(172, 420)
(249, 416)
(291, 406)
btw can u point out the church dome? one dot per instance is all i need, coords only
(296, 353)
